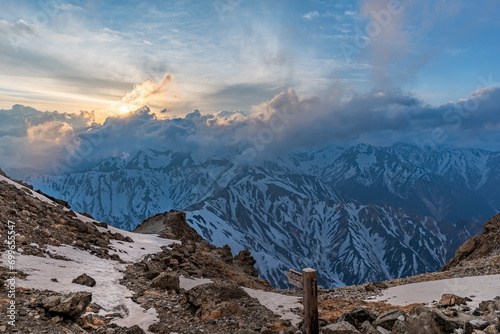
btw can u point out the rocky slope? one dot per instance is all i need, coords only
(66, 273)
(195, 256)
(485, 245)
(72, 274)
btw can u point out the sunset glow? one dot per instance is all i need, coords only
(124, 110)
(183, 56)
(281, 74)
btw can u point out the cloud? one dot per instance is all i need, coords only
(311, 15)
(155, 94)
(57, 142)
(389, 41)
(69, 7)
(33, 140)
(49, 133)
(241, 96)
(66, 63)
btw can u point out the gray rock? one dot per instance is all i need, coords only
(70, 306)
(215, 292)
(84, 279)
(135, 330)
(357, 316)
(479, 324)
(425, 320)
(448, 299)
(167, 281)
(342, 327)
(367, 328)
(221, 295)
(387, 319)
(382, 330)
(22, 240)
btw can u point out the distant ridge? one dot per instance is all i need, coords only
(360, 208)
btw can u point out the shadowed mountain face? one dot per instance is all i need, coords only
(357, 214)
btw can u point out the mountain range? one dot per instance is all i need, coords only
(357, 214)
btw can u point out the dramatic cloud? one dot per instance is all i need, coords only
(49, 133)
(57, 142)
(33, 140)
(154, 94)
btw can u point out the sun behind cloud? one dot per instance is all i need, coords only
(124, 110)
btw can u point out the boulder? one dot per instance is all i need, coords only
(357, 316)
(216, 299)
(84, 279)
(170, 225)
(342, 327)
(167, 281)
(134, 330)
(69, 306)
(367, 328)
(218, 292)
(119, 236)
(479, 324)
(387, 319)
(425, 320)
(450, 300)
(22, 240)
(86, 228)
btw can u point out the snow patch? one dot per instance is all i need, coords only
(190, 283)
(477, 288)
(273, 301)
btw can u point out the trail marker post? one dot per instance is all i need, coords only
(294, 278)
(307, 281)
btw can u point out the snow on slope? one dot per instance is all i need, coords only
(293, 201)
(477, 288)
(347, 243)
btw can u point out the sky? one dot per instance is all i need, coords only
(375, 71)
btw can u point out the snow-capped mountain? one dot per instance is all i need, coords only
(357, 214)
(450, 184)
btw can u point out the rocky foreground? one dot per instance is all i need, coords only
(75, 275)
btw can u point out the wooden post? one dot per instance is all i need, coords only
(310, 286)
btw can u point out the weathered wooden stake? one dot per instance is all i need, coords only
(310, 286)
